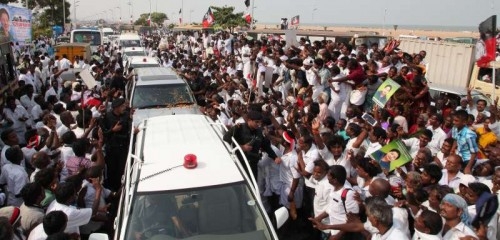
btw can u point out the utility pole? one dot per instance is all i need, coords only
(64, 15)
(253, 17)
(74, 11)
(383, 26)
(120, 7)
(130, 10)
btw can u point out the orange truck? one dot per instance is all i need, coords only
(74, 49)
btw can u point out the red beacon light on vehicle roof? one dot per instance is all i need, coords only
(144, 60)
(190, 161)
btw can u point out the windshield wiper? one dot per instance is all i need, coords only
(151, 106)
(183, 103)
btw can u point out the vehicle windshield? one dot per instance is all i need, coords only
(219, 213)
(94, 38)
(135, 54)
(136, 66)
(63, 39)
(456, 97)
(165, 95)
(130, 43)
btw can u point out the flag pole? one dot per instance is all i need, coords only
(494, 68)
(182, 12)
(252, 17)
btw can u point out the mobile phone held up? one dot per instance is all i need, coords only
(369, 119)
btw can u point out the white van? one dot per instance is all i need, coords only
(129, 40)
(182, 181)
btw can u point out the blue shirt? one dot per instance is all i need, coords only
(343, 134)
(466, 142)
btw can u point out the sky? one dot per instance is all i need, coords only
(370, 12)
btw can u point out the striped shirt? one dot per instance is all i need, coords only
(466, 142)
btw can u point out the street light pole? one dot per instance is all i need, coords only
(120, 7)
(74, 11)
(64, 14)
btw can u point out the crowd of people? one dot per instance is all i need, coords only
(304, 117)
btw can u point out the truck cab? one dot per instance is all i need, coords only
(481, 79)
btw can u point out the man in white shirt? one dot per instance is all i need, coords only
(322, 188)
(454, 211)
(18, 116)
(341, 200)
(478, 107)
(428, 225)
(38, 78)
(438, 135)
(452, 176)
(245, 58)
(13, 176)
(64, 63)
(228, 44)
(66, 196)
(309, 151)
(54, 222)
(28, 99)
(45, 60)
(380, 216)
(376, 136)
(415, 144)
(23, 76)
(67, 121)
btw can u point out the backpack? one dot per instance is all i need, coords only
(349, 235)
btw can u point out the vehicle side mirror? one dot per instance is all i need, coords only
(281, 216)
(98, 236)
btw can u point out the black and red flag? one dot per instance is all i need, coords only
(487, 32)
(180, 16)
(208, 19)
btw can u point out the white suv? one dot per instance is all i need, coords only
(159, 91)
(182, 181)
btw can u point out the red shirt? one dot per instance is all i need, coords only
(357, 75)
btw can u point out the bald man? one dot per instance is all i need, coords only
(381, 188)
